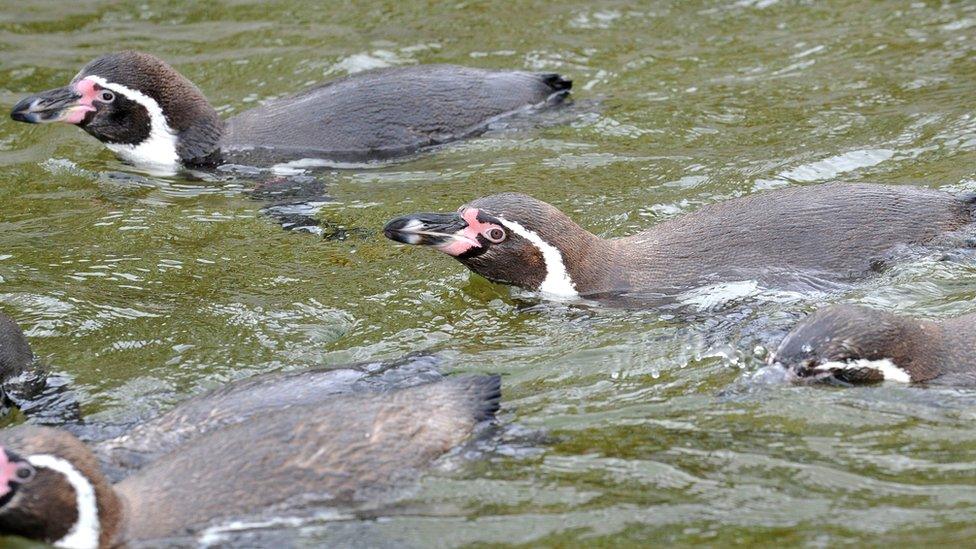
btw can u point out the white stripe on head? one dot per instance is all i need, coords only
(557, 282)
(889, 370)
(85, 532)
(159, 149)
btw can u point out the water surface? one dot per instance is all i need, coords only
(148, 289)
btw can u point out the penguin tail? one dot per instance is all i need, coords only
(482, 394)
(969, 203)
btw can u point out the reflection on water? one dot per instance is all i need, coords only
(660, 425)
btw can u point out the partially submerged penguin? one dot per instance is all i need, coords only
(16, 356)
(338, 452)
(26, 384)
(857, 344)
(788, 237)
(150, 115)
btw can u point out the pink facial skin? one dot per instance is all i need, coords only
(8, 473)
(77, 113)
(466, 238)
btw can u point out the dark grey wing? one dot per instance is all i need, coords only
(385, 113)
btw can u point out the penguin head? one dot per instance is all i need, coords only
(508, 238)
(854, 344)
(137, 105)
(52, 490)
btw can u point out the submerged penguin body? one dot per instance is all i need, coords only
(385, 113)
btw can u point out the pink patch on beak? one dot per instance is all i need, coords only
(77, 113)
(8, 473)
(466, 238)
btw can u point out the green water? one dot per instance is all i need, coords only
(146, 290)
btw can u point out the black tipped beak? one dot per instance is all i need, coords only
(425, 229)
(791, 359)
(57, 105)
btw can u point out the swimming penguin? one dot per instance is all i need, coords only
(824, 233)
(857, 344)
(16, 356)
(26, 384)
(334, 453)
(150, 115)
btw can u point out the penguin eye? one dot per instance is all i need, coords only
(495, 234)
(106, 96)
(24, 473)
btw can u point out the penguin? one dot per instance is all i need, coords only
(855, 344)
(152, 116)
(16, 356)
(26, 384)
(340, 452)
(797, 236)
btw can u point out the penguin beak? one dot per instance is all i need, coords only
(428, 229)
(804, 368)
(57, 105)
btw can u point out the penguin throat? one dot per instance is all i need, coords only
(86, 530)
(557, 283)
(159, 149)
